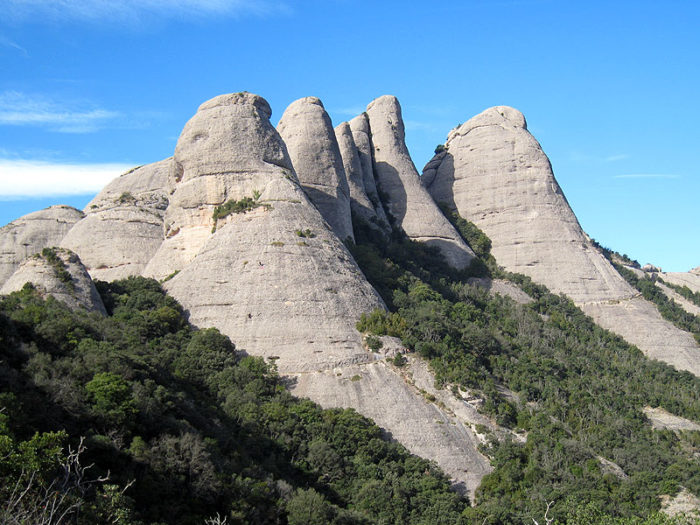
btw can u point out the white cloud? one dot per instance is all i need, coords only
(20, 109)
(647, 176)
(133, 10)
(27, 178)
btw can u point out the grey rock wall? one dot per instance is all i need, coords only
(360, 203)
(31, 233)
(74, 288)
(407, 201)
(496, 175)
(306, 129)
(123, 225)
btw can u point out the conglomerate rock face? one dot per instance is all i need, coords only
(281, 284)
(123, 224)
(57, 272)
(306, 129)
(495, 174)
(216, 162)
(359, 127)
(31, 233)
(407, 201)
(690, 279)
(360, 203)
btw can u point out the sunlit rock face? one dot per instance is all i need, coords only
(495, 174)
(306, 129)
(123, 225)
(57, 272)
(33, 232)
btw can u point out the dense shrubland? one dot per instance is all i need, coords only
(580, 390)
(181, 426)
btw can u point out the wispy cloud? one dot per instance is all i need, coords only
(577, 156)
(6, 42)
(134, 10)
(349, 111)
(20, 109)
(647, 176)
(615, 158)
(28, 178)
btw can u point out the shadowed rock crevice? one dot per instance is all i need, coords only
(406, 200)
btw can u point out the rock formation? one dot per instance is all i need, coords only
(123, 225)
(32, 233)
(496, 175)
(359, 127)
(215, 163)
(57, 272)
(306, 129)
(690, 279)
(407, 201)
(281, 284)
(360, 203)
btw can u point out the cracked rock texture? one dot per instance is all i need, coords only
(74, 288)
(407, 201)
(495, 174)
(306, 129)
(123, 224)
(33, 232)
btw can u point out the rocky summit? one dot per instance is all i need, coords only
(495, 174)
(249, 227)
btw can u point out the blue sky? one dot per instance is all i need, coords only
(610, 89)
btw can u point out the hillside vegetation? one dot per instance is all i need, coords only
(180, 427)
(577, 390)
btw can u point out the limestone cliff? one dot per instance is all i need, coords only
(496, 175)
(123, 225)
(32, 233)
(57, 272)
(407, 201)
(306, 129)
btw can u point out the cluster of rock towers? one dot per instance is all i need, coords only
(278, 278)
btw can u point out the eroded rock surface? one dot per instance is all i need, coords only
(360, 203)
(359, 127)
(30, 234)
(495, 174)
(378, 391)
(216, 162)
(690, 279)
(123, 225)
(410, 205)
(306, 129)
(57, 272)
